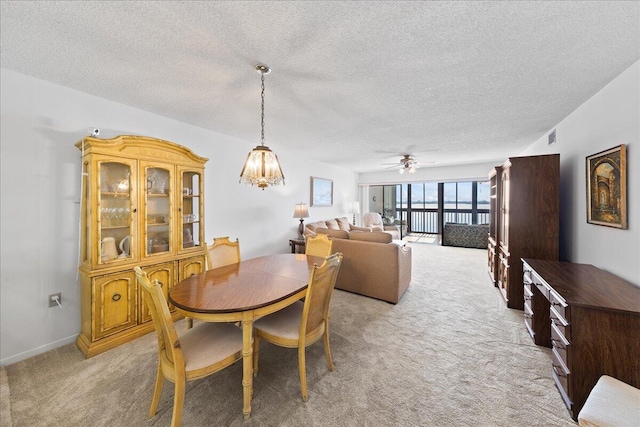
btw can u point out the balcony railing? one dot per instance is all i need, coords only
(426, 220)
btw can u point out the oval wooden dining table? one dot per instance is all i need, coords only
(243, 292)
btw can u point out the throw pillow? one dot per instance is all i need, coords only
(343, 224)
(332, 224)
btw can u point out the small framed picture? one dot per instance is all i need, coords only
(321, 192)
(607, 188)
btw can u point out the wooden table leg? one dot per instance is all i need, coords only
(247, 362)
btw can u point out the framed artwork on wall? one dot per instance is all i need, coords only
(607, 188)
(321, 192)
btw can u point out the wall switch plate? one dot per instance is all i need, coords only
(52, 299)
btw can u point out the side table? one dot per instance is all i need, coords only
(297, 242)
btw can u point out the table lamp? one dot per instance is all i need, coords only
(301, 211)
(354, 208)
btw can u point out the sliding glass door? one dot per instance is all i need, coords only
(425, 206)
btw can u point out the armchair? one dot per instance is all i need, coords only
(374, 221)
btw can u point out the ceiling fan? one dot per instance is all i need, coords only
(406, 163)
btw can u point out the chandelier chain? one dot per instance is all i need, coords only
(262, 115)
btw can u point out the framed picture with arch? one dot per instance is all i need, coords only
(607, 188)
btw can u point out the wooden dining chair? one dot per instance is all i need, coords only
(318, 245)
(222, 252)
(197, 353)
(302, 323)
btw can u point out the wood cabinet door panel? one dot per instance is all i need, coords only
(163, 273)
(114, 303)
(190, 266)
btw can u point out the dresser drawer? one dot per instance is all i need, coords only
(559, 305)
(562, 326)
(528, 318)
(560, 344)
(561, 378)
(540, 284)
(528, 292)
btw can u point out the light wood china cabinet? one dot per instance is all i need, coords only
(142, 205)
(525, 222)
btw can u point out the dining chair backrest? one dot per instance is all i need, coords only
(318, 245)
(322, 280)
(167, 337)
(223, 252)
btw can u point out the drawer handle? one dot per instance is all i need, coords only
(116, 297)
(558, 344)
(556, 369)
(556, 321)
(559, 321)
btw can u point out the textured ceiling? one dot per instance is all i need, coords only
(354, 84)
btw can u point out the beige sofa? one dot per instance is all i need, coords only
(374, 265)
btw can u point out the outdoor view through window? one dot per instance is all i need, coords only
(417, 206)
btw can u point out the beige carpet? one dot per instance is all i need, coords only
(449, 354)
(432, 239)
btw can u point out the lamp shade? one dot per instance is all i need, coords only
(301, 211)
(262, 168)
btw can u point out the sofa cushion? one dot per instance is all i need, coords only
(332, 224)
(336, 234)
(343, 224)
(311, 228)
(371, 237)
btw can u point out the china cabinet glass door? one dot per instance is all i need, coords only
(191, 210)
(157, 209)
(116, 211)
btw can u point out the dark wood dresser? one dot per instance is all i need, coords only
(591, 321)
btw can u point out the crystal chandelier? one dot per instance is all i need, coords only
(262, 167)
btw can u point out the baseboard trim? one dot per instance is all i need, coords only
(36, 351)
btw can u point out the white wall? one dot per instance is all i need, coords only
(40, 170)
(610, 118)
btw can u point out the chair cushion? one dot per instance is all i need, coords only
(208, 343)
(611, 403)
(284, 323)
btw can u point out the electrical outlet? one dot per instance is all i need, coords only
(55, 297)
